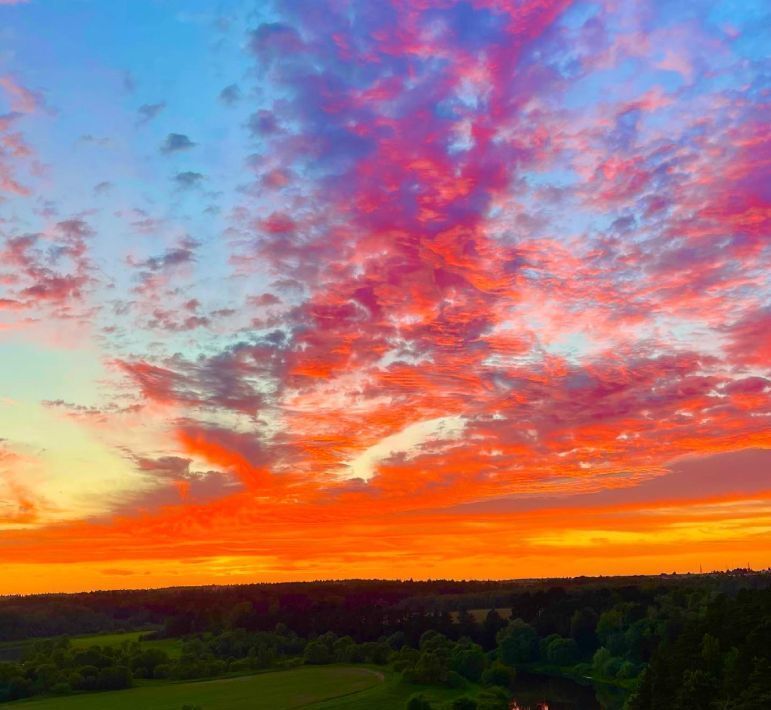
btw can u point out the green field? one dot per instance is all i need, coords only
(13, 650)
(390, 695)
(280, 690)
(172, 647)
(105, 639)
(481, 614)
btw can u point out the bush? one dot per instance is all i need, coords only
(405, 658)
(562, 652)
(317, 653)
(114, 678)
(613, 667)
(376, 652)
(600, 660)
(543, 646)
(92, 656)
(499, 675)
(241, 664)
(396, 640)
(46, 675)
(342, 649)
(583, 669)
(493, 699)
(463, 703)
(143, 664)
(455, 680)
(165, 670)
(627, 670)
(429, 670)
(469, 661)
(517, 643)
(18, 687)
(84, 678)
(418, 702)
(188, 670)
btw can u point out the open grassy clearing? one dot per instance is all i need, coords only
(279, 690)
(14, 650)
(390, 695)
(481, 614)
(105, 639)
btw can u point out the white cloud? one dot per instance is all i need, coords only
(407, 441)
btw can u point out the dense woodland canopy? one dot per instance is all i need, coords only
(686, 642)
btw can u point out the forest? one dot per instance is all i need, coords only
(687, 642)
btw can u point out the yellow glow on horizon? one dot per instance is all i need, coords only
(69, 473)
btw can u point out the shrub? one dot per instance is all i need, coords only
(396, 640)
(469, 661)
(164, 670)
(499, 675)
(317, 653)
(493, 699)
(405, 658)
(429, 670)
(241, 664)
(613, 667)
(114, 678)
(562, 652)
(418, 702)
(517, 643)
(627, 670)
(455, 680)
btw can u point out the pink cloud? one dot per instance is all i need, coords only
(22, 99)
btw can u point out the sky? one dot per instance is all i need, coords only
(382, 288)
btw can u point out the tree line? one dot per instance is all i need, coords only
(699, 643)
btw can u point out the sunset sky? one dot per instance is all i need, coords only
(382, 288)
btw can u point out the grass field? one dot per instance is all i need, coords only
(280, 690)
(389, 695)
(105, 639)
(14, 650)
(481, 614)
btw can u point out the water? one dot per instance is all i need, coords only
(538, 692)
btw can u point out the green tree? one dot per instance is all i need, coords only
(602, 657)
(464, 703)
(114, 678)
(144, 663)
(562, 652)
(493, 699)
(517, 643)
(418, 702)
(343, 649)
(582, 629)
(317, 653)
(469, 661)
(697, 691)
(429, 669)
(499, 675)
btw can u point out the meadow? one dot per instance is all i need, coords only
(277, 690)
(14, 650)
(479, 615)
